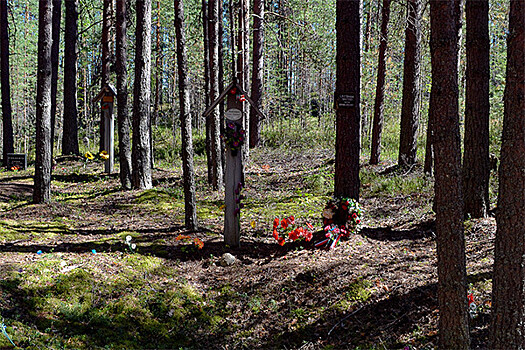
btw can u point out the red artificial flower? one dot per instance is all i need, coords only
(284, 223)
(294, 234)
(275, 234)
(358, 221)
(310, 226)
(291, 220)
(354, 215)
(198, 243)
(275, 223)
(281, 241)
(470, 298)
(308, 236)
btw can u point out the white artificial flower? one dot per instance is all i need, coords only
(128, 239)
(133, 246)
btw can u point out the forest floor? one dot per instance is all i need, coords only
(70, 280)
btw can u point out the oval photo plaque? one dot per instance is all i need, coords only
(233, 114)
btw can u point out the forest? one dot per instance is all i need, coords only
(262, 174)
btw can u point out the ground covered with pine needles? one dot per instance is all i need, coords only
(71, 278)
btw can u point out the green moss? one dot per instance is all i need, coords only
(14, 230)
(357, 292)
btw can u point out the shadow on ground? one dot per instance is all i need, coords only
(420, 231)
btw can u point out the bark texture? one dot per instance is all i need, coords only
(508, 284)
(244, 48)
(123, 122)
(206, 62)
(106, 61)
(215, 128)
(429, 147)
(348, 62)
(55, 47)
(7, 119)
(141, 155)
(188, 172)
(70, 134)
(377, 129)
(411, 86)
(257, 71)
(452, 289)
(476, 164)
(42, 187)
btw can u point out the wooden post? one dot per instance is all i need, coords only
(106, 97)
(109, 132)
(234, 177)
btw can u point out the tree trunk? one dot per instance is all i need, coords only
(429, 147)
(42, 186)
(190, 206)
(411, 86)
(158, 89)
(452, 289)
(257, 72)
(347, 87)
(7, 121)
(221, 74)
(158, 68)
(141, 155)
(106, 60)
(55, 46)
(215, 142)
(379, 105)
(70, 134)
(206, 53)
(207, 121)
(476, 167)
(245, 82)
(123, 122)
(508, 292)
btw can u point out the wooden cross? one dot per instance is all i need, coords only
(234, 176)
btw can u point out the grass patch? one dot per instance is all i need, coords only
(377, 185)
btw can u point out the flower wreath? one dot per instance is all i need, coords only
(234, 137)
(341, 217)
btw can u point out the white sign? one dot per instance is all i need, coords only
(233, 114)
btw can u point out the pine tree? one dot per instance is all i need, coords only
(508, 292)
(257, 71)
(452, 279)
(215, 128)
(7, 122)
(55, 48)
(42, 187)
(476, 167)
(190, 205)
(348, 62)
(411, 86)
(379, 104)
(123, 121)
(70, 134)
(141, 152)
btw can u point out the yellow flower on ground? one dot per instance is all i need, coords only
(89, 156)
(104, 155)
